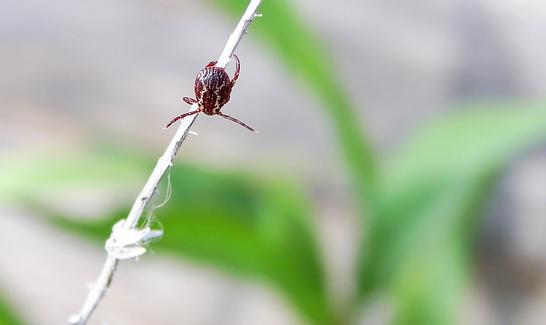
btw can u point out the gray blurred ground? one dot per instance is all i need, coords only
(74, 72)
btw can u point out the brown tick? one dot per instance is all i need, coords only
(212, 90)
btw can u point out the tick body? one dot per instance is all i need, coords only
(212, 90)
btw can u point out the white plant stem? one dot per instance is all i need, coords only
(162, 165)
(125, 239)
(238, 33)
(130, 248)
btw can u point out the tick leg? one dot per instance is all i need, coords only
(236, 121)
(211, 64)
(237, 69)
(180, 117)
(189, 101)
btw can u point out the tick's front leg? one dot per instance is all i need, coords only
(237, 69)
(236, 121)
(189, 101)
(180, 117)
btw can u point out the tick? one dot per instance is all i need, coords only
(212, 90)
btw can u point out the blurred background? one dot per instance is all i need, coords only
(87, 86)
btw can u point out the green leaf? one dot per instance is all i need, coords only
(287, 33)
(430, 278)
(42, 177)
(247, 226)
(418, 241)
(7, 315)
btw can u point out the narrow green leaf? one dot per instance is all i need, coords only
(429, 286)
(38, 177)
(7, 314)
(285, 31)
(251, 227)
(433, 196)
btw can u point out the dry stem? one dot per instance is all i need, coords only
(124, 240)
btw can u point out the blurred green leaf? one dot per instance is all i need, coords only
(247, 226)
(292, 40)
(38, 176)
(417, 243)
(7, 315)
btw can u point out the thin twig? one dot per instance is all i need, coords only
(162, 165)
(238, 33)
(125, 239)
